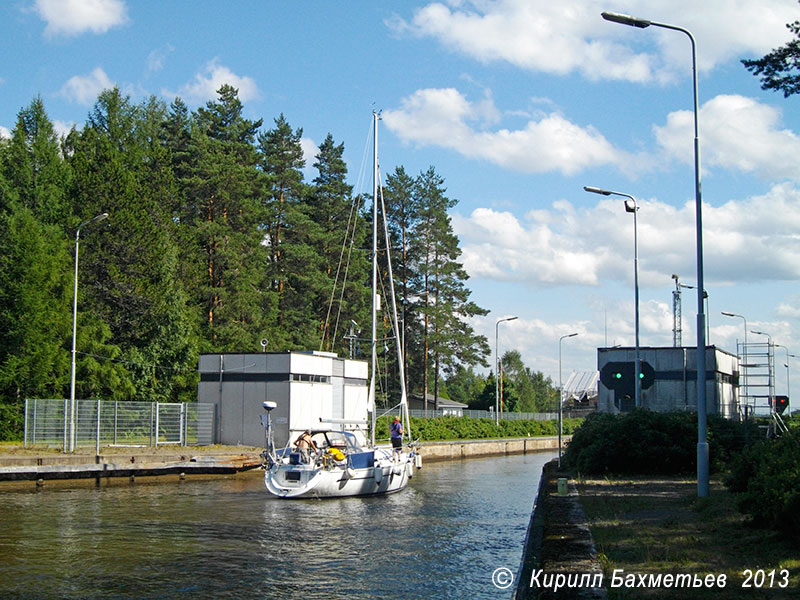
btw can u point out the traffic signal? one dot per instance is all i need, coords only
(618, 376)
(647, 374)
(781, 404)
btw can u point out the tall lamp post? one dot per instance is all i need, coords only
(631, 206)
(497, 369)
(72, 431)
(743, 367)
(702, 417)
(561, 394)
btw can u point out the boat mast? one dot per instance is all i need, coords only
(405, 418)
(377, 195)
(374, 341)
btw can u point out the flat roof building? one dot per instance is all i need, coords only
(669, 380)
(313, 390)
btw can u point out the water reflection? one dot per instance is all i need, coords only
(227, 538)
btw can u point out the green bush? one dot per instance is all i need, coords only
(766, 481)
(464, 428)
(649, 443)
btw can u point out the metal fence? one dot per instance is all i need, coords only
(510, 416)
(101, 423)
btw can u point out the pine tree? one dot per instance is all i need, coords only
(281, 160)
(780, 69)
(224, 212)
(448, 339)
(334, 222)
(402, 213)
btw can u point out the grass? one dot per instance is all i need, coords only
(658, 525)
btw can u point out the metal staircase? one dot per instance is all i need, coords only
(757, 384)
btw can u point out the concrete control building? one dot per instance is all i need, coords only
(307, 386)
(669, 380)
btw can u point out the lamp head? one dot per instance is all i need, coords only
(626, 19)
(269, 405)
(595, 190)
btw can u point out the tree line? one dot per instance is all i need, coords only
(214, 241)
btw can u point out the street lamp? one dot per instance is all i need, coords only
(702, 417)
(561, 393)
(631, 206)
(742, 367)
(72, 431)
(497, 370)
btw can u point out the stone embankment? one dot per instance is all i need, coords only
(28, 465)
(559, 558)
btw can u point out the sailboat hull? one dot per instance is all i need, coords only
(312, 481)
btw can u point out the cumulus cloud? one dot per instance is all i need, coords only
(5, 133)
(62, 128)
(73, 17)
(156, 58)
(565, 245)
(206, 83)
(735, 133)
(565, 37)
(445, 117)
(84, 89)
(310, 150)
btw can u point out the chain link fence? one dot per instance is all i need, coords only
(100, 423)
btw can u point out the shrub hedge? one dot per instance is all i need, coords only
(649, 443)
(462, 428)
(765, 479)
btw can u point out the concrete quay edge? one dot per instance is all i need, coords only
(83, 466)
(558, 541)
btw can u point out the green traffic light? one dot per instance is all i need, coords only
(618, 375)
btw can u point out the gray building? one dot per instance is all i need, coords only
(669, 380)
(313, 390)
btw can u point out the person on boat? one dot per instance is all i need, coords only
(305, 445)
(396, 432)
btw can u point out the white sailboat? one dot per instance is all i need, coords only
(344, 463)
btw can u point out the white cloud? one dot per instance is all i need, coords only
(753, 240)
(565, 37)
(214, 75)
(310, 151)
(5, 133)
(62, 128)
(444, 117)
(736, 133)
(84, 89)
(156, 58)
(73, 17)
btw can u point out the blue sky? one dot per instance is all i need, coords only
(518, 104)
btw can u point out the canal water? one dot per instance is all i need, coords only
(442, 537)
